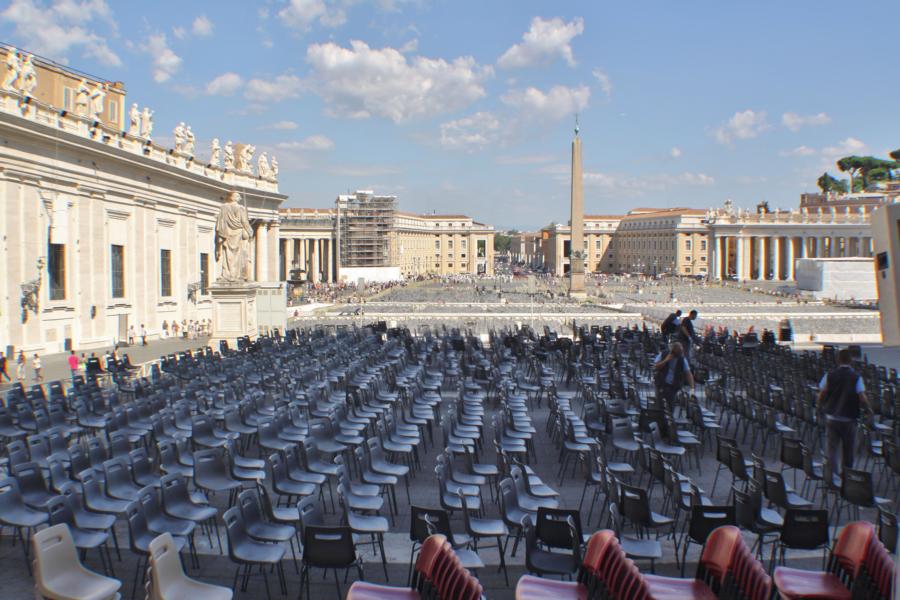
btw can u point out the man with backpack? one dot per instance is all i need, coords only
(841, 393)
(686, 334)
(671, 372)
(671, 324)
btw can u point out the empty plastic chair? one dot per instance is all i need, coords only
(167, 578)
(59, 575)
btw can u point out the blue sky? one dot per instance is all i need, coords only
(468, 107)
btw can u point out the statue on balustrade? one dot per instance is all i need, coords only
(233, 233)
(82, 99)
(178, 134)
(262, 167)
(146, 123)
(27, 76)
(13, 66)
(189, 141)
(274, 167)
(98, 96)
(134, 120)
(229, 155)
(215, 153)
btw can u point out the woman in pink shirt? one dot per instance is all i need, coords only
(73, 363)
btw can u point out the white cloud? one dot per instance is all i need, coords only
(470, 133)
(300, 15)
(179, 33)
(281, 126)
(741, 126)
(605, 82)
(525, 159)
(316, 143)
(283, 87)
(846, 147)
(799, 151)
(675, 152)
(225, 84)
(559, 102)
(57, 27)
(642, 184)
(202, 26)
(165, 62)
(545, 40)
(362, 82)
(794, 122)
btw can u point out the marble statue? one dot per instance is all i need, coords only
(262, 166)
(82, 99)
(13, 66)
(134, 120)
(97, 99)
(189, 141)
(245, 159)
(214, 153)
(27, 76)
(178, 134)
(229, 155)
(233, 233)
(146, 123)
(274, 167)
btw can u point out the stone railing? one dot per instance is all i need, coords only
(32, 110)
(795, 217)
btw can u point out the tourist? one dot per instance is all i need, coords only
(841, 393)
(672, 372)
(131, 335)
(36, 365)
(671, 324)
(165, 329)
(143, 335)
(73, 364)
(686, 334)
(175, 329)
(3, 372)
(20, 367)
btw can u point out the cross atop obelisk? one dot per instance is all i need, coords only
(576, 252)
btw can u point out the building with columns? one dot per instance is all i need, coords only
(656, 241)
(407, 244)
(556, 242)
(525, 249)
(765, 245)
(104, 230)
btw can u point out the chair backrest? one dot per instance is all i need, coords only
(328, 547)
(58, 511)
(706, 519)
(887, 529)
(166, 572)
(310, 511)
(235, 528)
(805, 528)
(552, 527)
(856, 487)
(30, 477)
(54, 553)
(850, 549)
(428, 555)
(249, 503)
(715, 560)
(437, 518)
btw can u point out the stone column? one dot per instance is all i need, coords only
(776, 262)
(576, 260)
(301, 255)
(739, 257)
(261, 245)
(789, 274)
(861, 246)
(804, 246)
(760, 258)
(329, 248)
(713, 257)
(315, 262)
(836, 246)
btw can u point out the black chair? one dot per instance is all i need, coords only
(139, 538)
(635, 549)
(118, 480)
(328, 548)
(16, 514)
(284, 485)
(95, 497)
(177, 502)
(211, 473)
(543, 562)
(32, 485)
(373, 525)
(59, 512)
(704, 519)
(803, 529)
(159, 522)
(86, 519)
(748, 514)
(168, 460)
(246, 553)
(857, 490)
(887, 529)
(425, 522)
(141, 469)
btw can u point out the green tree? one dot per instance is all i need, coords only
(827, 183)
(863, 167)
(502, 242)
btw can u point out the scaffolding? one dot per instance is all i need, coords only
(364, 225)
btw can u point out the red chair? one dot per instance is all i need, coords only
(876, 577)
(844, 565)
(432, 549)
(530, 587)
(746, 577)
(712, 570)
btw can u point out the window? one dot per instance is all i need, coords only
(598, 244)
(481, 248)
(165, 272)
(687, 244)
(204, 273)
(450, 244)
(117, 267)
(437, 245)
(702, 245)
(462, 244)
(113, 110)
(56, 270)
(69, 99)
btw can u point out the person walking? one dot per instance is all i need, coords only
(3, 372)
(36, 365)
(841, 394)
(143, 335)
(686, 334)
(20, 367)
(73, 364)
(672, 371)
(671, 324)
(131, 335)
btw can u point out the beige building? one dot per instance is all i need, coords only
(555, 244)
(442, 245)
(102, 231)
(526, 249)
(656, 241)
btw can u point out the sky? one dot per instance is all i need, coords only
(469, 107)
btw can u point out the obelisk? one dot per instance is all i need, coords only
(576, 221)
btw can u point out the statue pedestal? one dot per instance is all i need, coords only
(233, 313)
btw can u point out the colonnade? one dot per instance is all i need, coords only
(314, 256)
(767, 257)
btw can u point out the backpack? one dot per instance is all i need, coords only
(660, 374)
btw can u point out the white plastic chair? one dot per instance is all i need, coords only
(167, 579)
(59, 575)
